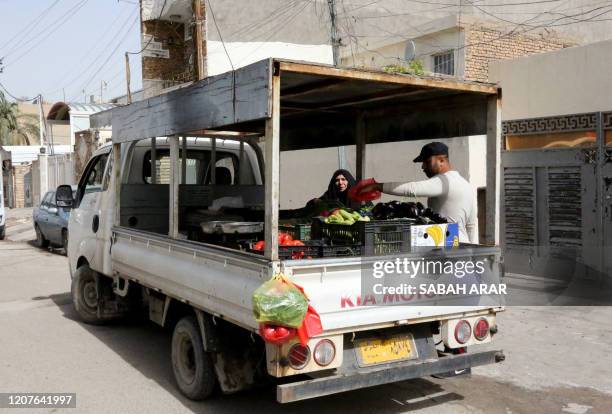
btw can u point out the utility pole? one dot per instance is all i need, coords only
(127, 78)
(198, 40)
(335, 41)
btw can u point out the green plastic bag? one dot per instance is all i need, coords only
(279, 302)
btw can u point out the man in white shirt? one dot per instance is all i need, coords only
(449, 194)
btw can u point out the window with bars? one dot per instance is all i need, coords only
(444, 63)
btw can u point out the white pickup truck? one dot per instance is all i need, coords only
(131, 246)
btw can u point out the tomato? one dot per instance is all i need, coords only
(281, 331)
(260, 245)
(269, 331)
(284, 239)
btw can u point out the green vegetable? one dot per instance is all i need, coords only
(279, 303)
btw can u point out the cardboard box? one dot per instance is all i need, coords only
(435, 235)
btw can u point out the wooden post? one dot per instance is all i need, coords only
(272, 166)
(213, 161)
(153, 160)
(241, 169)
(174, 186)
(197, 37)
(493, 167)
(117, 182)
(184, 161)
(360, 150)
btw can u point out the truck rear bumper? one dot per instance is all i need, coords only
(318, 387)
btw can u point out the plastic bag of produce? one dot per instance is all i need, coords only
(279, 302)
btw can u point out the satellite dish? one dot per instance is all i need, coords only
(410, 51)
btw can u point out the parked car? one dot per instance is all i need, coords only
(51, 223)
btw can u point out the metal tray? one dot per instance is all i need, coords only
(231, 227)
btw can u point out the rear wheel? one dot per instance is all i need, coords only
(40, 238)
(193, 368)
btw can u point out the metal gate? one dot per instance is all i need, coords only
(555, 222)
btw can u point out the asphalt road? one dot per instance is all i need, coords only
(558, 359)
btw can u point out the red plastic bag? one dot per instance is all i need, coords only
(356, 194)
(311, 326)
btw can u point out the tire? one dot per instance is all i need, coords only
(65, 241)
(84, 296)
(2, 232)
(40, 238)
(193, 368)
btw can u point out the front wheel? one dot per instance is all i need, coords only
(85, 296)
(193, 368)
(65, 241)
(40, 238)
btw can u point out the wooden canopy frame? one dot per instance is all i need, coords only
(319, 106)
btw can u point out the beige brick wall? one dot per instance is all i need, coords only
(19, 171)
(485, 44)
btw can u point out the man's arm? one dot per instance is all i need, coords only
(434, 187)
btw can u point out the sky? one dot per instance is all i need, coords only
(59, 48)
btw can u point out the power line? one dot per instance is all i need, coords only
(94, 63)
(151, 38)
(16, 98)
(90, 50)
(212, 13)
(34, 21)
(64, 19)
(112, 53)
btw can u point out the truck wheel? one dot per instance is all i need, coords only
(84, 296)
(40, 238)
(193, 369)
(65, 241)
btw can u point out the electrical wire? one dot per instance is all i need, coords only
(112, 53)
(16, 98)
(151, 38)
(64, 18)
(34, 22)
(212, 13)
(82, 72)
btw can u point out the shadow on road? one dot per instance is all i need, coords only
(146, 347)
(51, 249)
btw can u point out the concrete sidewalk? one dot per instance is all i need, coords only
(19, 224)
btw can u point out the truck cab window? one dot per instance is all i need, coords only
(93, 176)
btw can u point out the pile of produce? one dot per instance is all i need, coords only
(282, 310)
(345, 216)
(410, 210)
(284, 239)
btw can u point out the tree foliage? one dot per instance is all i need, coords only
(16, 128)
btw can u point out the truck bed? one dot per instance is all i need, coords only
(221, 281)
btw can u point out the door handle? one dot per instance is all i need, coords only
(95, 224)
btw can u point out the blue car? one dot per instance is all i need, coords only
(51, 223)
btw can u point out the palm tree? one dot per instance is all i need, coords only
(16, 128)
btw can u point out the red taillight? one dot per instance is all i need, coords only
(463, 331)
(481, 329)
(299, 355)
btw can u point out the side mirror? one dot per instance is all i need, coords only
(63, 196)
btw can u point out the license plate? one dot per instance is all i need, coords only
(383, 350)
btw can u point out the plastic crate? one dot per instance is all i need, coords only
(297, 231)
(377, 237)
(311, 249)
(347, 250)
